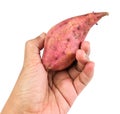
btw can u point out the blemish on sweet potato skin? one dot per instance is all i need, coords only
(64, 39)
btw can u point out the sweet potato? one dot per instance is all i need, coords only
(64, 39)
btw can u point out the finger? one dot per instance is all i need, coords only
(82, 59)
(32, 49)
(35, 45)
(82, 55)
(84, 77)
(73, 73)
(86, 47)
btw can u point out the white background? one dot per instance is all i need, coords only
(21, 20)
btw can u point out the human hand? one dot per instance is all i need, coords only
(40, 92)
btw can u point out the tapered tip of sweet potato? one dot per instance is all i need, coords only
(101, 14)
(106, 13)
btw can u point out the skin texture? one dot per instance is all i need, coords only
(64, 39)
(40, 92)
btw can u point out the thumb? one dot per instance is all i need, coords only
(32, 50)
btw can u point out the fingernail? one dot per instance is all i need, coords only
(83, 54)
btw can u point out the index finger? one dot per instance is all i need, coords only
(81, 59)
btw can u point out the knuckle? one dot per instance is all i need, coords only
(84, 79)
(29, 43)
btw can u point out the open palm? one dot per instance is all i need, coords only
(40, 92)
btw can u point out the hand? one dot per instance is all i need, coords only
(40, 92)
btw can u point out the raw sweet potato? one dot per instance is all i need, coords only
(64, 39)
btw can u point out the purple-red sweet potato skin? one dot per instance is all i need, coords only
(64, 39)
